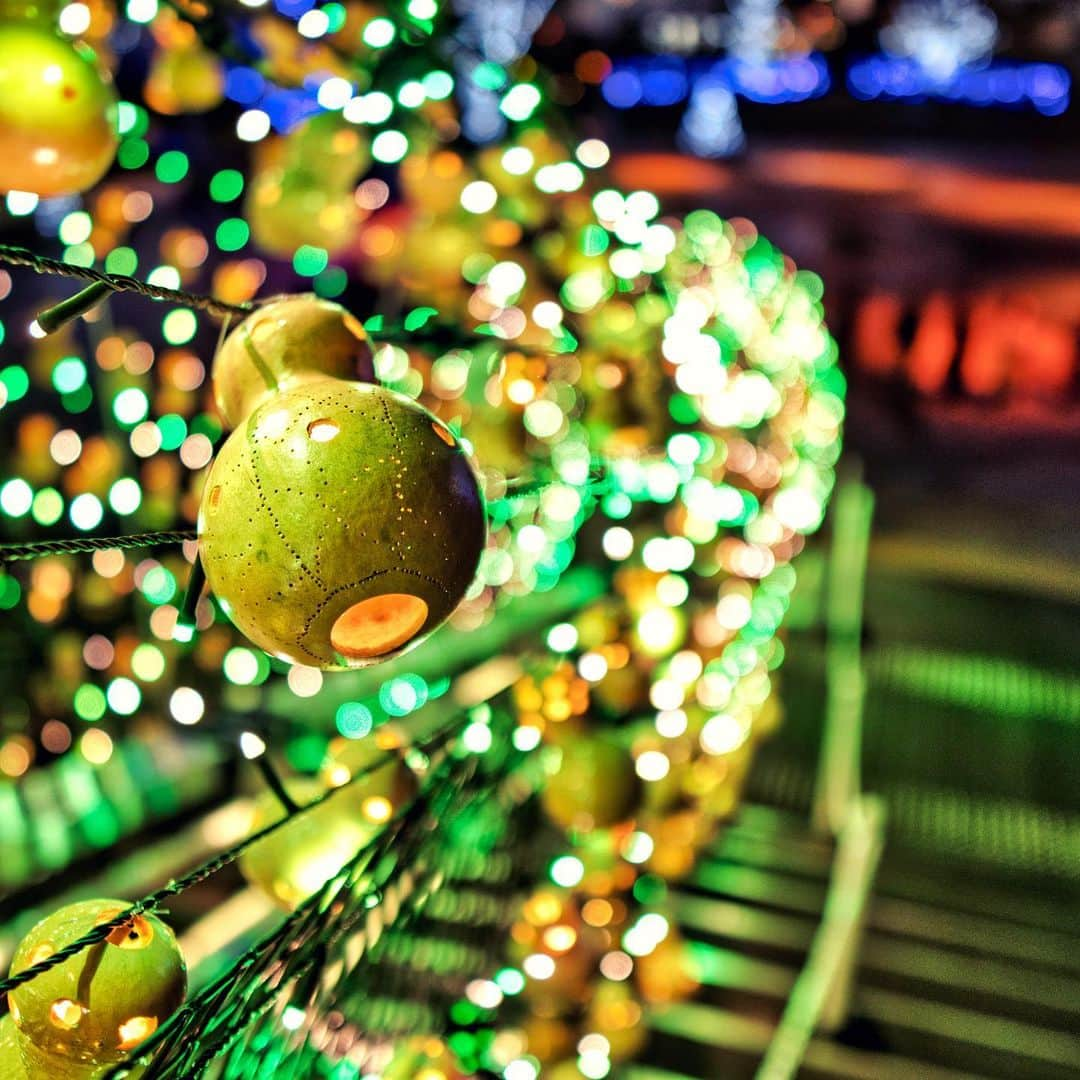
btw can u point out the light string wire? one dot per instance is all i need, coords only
(35, 549)
(42, 264)
(201, 873)
(286, 941)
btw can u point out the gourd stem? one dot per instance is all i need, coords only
(195, 584)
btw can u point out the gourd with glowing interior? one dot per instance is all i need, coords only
(92, 1009)
(58, 127)
(292, 863)
(340, 524)
(289, 340)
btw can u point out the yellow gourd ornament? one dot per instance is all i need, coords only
(615, 1013)
(341, 522)
(295, 861)
(185, 79)
(10, 1058)
(303, 189)
(284, 216)
(594, 786)
(58, 130)
(87, 1013)
(285, 342)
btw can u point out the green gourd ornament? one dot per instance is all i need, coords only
(303, 191)
(58, 128)
(284, 215)
(594, 786)
(384, 784)
(285, 342)
(90, 1011)
(293, 862)
(341, 522)
(10, 1059)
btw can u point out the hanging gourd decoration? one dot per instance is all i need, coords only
(58, 127)
(10, 1058)
(303, 187)
(297, 859)
(294, 861)
(341, 522)
(285, 342)
(593, 787)
(615, 1014)
(383, 786)
(92, 1009)
(184, 78)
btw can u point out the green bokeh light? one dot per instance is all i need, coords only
(133, 153)
(438, 85)
(309, 261)
(16, 497)
(79, 400)
(379, 33)
(179, 326)
(48, 506)
(122, 260)
(86, 511)
(232, 234)
(331, 282)
(148, 662)
(158, 585)
(16, 382)
(226, 185)
(130, 406)
(10, 591)
(173, 430)
(353, 720)
(172, 166)
(80, 254)
(69, 374)
(89, 702)
(520, 102)
(76, 227)
(389, 147)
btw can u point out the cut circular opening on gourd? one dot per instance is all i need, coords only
(322, 430)
(40, 952)
(134, 1031)
(135, 934)
(378, 625)
(443, 434)
(65, 1013)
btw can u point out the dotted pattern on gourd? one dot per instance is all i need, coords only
(332, 486)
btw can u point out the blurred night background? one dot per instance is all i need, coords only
(903, 152)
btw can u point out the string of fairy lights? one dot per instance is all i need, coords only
(654, 396)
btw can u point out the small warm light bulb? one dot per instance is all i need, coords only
(338, 775)
(559, 938)
(251, 746)
(377, 809)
